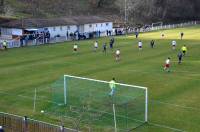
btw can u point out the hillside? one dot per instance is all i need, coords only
(50, 8)
(138, 11)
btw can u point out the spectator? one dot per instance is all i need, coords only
(115, 31)
(1, 129)
(21, 41)
(1, 46)
(62, 128)
(25, 123)
(48, 37)
(67, 34)
(99, 33)
(109, 33)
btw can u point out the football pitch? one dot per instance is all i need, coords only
(173, 97)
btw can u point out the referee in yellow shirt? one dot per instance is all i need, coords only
(184, 50)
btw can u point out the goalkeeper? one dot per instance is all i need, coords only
(112, 86)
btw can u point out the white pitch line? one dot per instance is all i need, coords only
(176, 105)
(167, 127)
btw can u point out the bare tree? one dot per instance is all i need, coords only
(1, 6)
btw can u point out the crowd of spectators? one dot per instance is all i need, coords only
(38, 37)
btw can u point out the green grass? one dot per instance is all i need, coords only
(173, 97)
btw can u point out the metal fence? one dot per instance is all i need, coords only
(14, 123)
(171, 26)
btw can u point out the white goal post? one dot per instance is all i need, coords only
(101, 81)
(157, 24)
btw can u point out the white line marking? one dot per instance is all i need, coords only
(167, 127)
(176, 105)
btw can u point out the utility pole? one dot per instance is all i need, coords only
(125, 15)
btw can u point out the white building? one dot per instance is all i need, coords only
(56, 26)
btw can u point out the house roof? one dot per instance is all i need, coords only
(89, 19)
(6, 19)
(40, 23)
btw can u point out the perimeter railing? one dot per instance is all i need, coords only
(14, 123)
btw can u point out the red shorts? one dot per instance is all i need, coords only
(167, 65)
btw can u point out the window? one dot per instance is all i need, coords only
(54, 28)
(101, 25)
(61, 28)
(96, 25)
(90, 25)
(68, 27)
(107, 24)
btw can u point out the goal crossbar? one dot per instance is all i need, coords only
(122, 84)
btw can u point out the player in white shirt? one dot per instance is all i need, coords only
(95, 46)
(117, 54)
(167, 65)
(140, 45)
(173, 44)
(75, 48)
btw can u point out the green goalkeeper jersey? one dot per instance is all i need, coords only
(112, 84)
